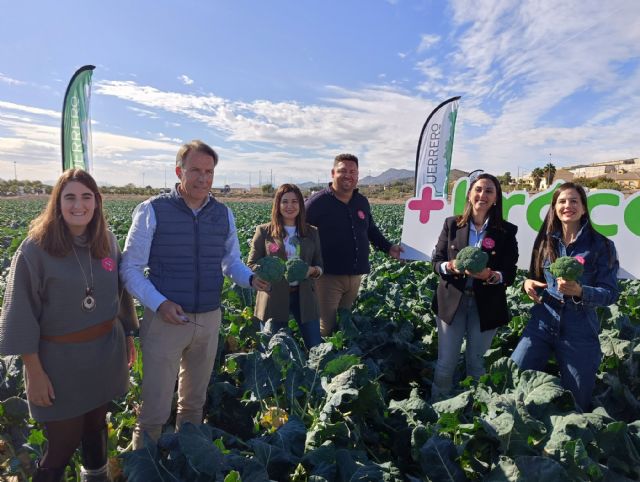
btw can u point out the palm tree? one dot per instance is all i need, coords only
(549, 173)
(537, 174)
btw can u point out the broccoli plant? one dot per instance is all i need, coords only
(567, 268)
(471, 259)
(296, 270)
(270, 268)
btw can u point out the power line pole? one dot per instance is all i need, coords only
(15, 171)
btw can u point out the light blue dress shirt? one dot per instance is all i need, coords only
(135, 257)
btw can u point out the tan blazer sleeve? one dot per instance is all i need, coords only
(257, 250)
(317, 255)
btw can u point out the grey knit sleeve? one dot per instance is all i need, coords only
(21, 308)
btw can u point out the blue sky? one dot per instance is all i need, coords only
(283, 86)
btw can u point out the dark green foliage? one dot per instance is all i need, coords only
(567, 268)
(296, 270)
(471, 259)
(357, 407)
(270, 268)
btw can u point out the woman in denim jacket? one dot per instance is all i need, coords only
(563, 319)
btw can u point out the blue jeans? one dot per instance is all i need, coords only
(574, 341)
(466, 321)
(310, 330)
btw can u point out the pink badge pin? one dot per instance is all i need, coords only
(488, 243)
(108, 264)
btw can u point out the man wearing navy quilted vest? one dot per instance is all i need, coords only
(187, 243)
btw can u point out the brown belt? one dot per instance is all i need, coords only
(88, 334)
(293, 289)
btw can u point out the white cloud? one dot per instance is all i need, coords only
(29, 109)
(517, 65)
(426, 41)
(380, 124)
(514, 62)
(34, 145)
(144, 112)
(185, 80)
(8, 80)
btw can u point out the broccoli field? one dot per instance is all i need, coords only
(356, 408)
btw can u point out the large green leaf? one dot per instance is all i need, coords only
(542, 394)
(354, 466)
(251, 470)
(540, 468)
(324, 430)
(11, 383)
(438, 460)
(261, 375)
(143, 465)
(322, 461)
(280, 451)
(320, 354)
(197, 446)
(458, 404)
(505, 471)
(623, 455)
(352, 387)
(510, 422)
(415, 409)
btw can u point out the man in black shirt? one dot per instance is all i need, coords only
(343, 218)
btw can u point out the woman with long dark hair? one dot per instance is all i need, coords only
(288, 236)
(66, 314)
(563, 319)
(472, 305)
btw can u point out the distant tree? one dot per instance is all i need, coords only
(537, 174)
(267, 189)
(549, 172)
(602, 182)
(505, 180)
(608, 183)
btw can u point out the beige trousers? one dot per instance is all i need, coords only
(335, 291)
(168, 351)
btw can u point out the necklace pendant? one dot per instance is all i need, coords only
(89, 302)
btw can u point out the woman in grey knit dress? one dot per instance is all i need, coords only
(66, 313)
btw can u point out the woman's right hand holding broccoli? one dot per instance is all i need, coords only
(451, 267)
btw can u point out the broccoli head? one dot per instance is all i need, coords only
(270, 268)
(471, 259)
(296, 270)
(567, 268)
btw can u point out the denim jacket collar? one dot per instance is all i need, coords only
(558, 234)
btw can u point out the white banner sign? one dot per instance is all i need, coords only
(611, 214)
(435, 146)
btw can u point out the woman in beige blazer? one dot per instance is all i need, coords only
(288, 236)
